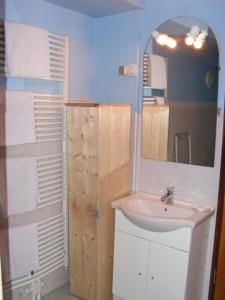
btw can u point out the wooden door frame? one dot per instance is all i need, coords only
(219, 219)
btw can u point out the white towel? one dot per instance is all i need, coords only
(27, 51)
(157, 72)
(19, 251)
(17, 118)
(20, 193)
(160, 100)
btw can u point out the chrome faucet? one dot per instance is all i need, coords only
(168, 197)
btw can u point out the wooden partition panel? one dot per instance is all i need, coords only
(114, 182)
(98, 173)
(155, 127)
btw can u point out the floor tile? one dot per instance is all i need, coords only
(60, 294)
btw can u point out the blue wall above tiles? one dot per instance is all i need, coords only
(117, 40)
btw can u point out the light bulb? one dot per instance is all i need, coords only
(200, 39)
(194, 31)
(202, 35)
(191, 35)
(198, 43)
(189, 40)
(155, 34)
(162, 39)
(171, 43)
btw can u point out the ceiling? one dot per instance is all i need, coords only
(96, 8)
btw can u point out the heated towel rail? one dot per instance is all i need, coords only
(49, 115)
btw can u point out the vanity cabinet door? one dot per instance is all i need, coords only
(168, 273)
(130, 267)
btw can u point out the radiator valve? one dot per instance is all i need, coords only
(36, 287)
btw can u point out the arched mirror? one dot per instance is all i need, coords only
(180, 89)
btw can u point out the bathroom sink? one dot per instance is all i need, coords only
(149, 212)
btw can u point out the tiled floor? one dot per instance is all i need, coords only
(60, 294)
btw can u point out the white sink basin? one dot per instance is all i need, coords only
(148, 212)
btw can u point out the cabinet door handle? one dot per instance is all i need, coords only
(139, 273)
(152, 278)
(95, 214)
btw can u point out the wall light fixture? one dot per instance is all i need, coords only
(191, 35)
(160, 38)
(164, 40)
(196, 37)
(200, 39)
(171, 43)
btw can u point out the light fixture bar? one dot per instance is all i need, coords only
(191, 35)
(196, 37)
(164, 40)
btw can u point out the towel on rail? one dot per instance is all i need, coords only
(19, 191)
(17, 116)
(157, 72)
(160, 100)
(19, 251)
(27, 51)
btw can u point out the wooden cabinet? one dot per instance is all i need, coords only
(155, 128)
(98, 172)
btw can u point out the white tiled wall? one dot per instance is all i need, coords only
(192, 183)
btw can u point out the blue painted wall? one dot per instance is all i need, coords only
(138, 3)
(117, 40)
(58, 20)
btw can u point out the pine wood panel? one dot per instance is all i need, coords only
(114, 182)
(98, 172)
(82, 184)
(155, 126)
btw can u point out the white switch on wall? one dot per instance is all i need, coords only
(128, 70)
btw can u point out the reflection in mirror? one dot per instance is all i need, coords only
(180, 87)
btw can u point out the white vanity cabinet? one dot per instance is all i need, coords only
(130, 266)
(167, 273)
(156, 265)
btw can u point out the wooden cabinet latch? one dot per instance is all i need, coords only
(95, 214)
